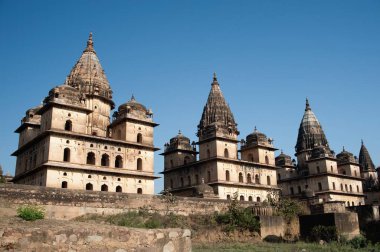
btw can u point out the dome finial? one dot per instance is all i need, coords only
(255, 129)
(90, 44)
(282, 152)
(362, 142)
(133, 98)
(214, 79)
(179, 132)
(307, 105)
(343, 149)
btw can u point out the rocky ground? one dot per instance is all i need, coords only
(54, 235)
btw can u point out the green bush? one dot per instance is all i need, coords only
(238, 218)
(358, 242)
(31, 213)
(326, 233)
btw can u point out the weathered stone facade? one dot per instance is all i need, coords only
(252, 174)
(318, 171)
(70, 142)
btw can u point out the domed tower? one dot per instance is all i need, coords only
(286, 166)
(367, 168)
(30, 125)
(133, 122)
(217, 130)
(177, 153)
(310, 135)
(258, 148)
(89, 78)
(347, 164)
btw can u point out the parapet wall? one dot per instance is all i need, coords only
(68, 204)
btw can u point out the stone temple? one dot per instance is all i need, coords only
(70, 141)
(222, 169)
(319, 173)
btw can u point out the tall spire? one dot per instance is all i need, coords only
(216, 112)
(310, 132)
(307, 105)
(88, 75)
(90, 44)
(365, 159)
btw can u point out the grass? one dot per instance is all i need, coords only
(30, 212)
(280, 247)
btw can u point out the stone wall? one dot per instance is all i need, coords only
(53, 235)
(68, 204)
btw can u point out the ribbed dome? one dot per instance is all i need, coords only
(179, 142)
(216, 112)
(365, 159)
(310, 133)
(256, 137)
(88, 75)
(345, 157)
(283, 160)
(133, 105)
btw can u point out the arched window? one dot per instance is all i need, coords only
(227, 175)
(356, 174)
(257, 179)
(341, 187)
(139, 164)
(68, 125)
(119, 162)
(345, 186)
(241, 198)
(279, 176)
(182, 182)
(119, 189)
(268, 180)
(139, 138)
(89, 187)
(208, 153)
(332, 168)
(64, 184)
(226, 153)
(250, 198)
(105, 160)
(318, 169)
(348, 203)
(139, 191)
(189, 180)
(266, 160)
(66, 155)
(240, 177)
(350, 188)
(171, 183)
(249, 179)
(258, 199)
(91, 158)
(357, 188)
(353, 204)
(208, 176)
(228, 197)
(104, 188)
(319, 186)
(186, 160)
(333, 185)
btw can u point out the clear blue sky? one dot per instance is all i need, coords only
(268, 55)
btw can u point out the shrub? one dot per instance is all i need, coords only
(238, 218)
(30, 212)
(326, 233)
(358, 242)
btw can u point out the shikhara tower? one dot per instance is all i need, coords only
(220, 171)
(318, 172)
(70, 142)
